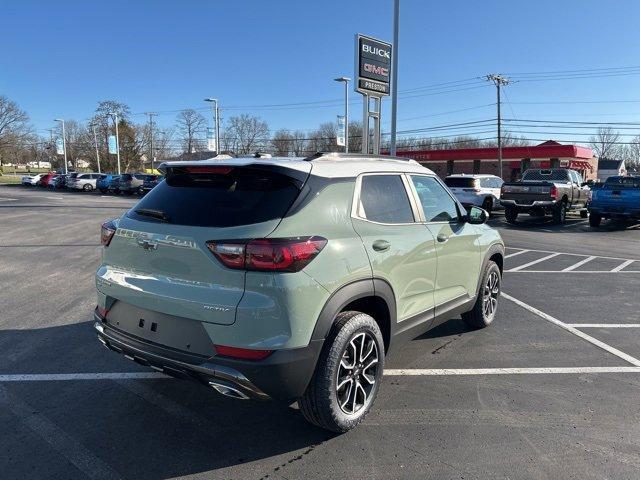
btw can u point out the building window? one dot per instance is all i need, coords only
(476, 166)
(449, 167)
(554, 163)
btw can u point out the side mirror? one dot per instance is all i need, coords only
(477, 215)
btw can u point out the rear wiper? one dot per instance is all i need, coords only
(157, 214)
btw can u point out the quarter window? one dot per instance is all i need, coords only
(437, 204)
(383, 198)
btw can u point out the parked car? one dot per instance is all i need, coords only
(149, 182)
(105, 181)
(618, 198)
(480, 190)
(45, 179)
(292, 278)
(31, 180)
(130, 183)
(545, 192)
(57, 182)
(83, 181)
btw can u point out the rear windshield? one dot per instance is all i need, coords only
(241, 197)
(622, 182)
(534, 175)
(459, 182)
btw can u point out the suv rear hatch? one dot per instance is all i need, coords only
(158, 258)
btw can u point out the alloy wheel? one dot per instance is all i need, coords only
(490, 295)
(357, 373)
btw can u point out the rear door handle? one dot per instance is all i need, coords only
(381, 245)
(442, 237)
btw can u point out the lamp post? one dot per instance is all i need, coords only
(115, 120)
(346, 81)
(216, 119)
(64, 143)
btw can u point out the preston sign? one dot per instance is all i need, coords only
(373, 66)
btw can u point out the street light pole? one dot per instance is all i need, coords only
(346, 81)
(115, 120)
(394, 77)
(95, 139)
(64, 143)
(216, 119)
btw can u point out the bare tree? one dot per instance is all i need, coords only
(282, 142)
(191, 125)
(14, 125)
(246, 134)
(605, 143)
(631, 153)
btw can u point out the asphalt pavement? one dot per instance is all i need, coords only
(550, 390)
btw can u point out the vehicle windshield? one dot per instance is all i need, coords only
(460, 182)
(623, 182)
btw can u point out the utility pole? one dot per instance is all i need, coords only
(498, 81)
(394, 77)
(115, 120)
(216, 119)
(64, 143)
(151, 115)
(95, 140)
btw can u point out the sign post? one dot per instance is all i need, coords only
(373, 80)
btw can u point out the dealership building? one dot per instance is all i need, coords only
(515, 160)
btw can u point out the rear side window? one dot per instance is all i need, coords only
(242, 196)
(460, 182)
(533, 175)
(384, 199)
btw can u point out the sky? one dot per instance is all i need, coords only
(60, 58)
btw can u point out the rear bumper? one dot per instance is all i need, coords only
(282, 376)
(614, 212)
(532, 204)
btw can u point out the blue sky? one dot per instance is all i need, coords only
(60, 58)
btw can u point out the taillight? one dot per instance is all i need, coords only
(242, 353)
(553, 191)
(106, 232)
(102, 312)
(502, 190)
(268, 254)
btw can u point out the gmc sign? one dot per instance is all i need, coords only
(373, 66)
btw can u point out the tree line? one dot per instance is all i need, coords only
(242, 134)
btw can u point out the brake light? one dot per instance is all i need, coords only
(554, 191)
(106, 232)
(217, 170)
(268, 254)
(242, 353)
(102, 312)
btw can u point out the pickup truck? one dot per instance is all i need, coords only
(619, 197)
(545, 191)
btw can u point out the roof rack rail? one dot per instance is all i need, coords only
(345, 156)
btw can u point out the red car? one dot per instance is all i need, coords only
(44, 181)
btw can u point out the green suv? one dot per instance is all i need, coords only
(292, 279)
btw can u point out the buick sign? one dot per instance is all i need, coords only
(373, 66)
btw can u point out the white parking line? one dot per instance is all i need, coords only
(604, 325)
(580, 263)
(520, 267)
(575, 331)
(515, 254)
(574, 254)
(508, 371)
(5, 199)
(623, 265)
(572, 271)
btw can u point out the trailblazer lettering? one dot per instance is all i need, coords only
(375, 51)
(375, 69)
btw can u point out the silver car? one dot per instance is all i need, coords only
(83, 181)
(480, 190)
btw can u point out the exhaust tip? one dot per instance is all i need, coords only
(228, 391)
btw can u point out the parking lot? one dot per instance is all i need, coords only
(550, 390)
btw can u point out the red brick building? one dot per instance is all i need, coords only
(515, 160)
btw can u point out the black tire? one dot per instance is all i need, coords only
(87, 187)
(321, 402)
(484, 310)
(594, 220)
(584, 213)
(487, 204)
(511, 215)
(560, 213)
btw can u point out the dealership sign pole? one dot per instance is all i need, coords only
(373, 79)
